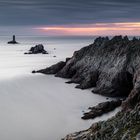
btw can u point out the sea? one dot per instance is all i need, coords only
(37, 106)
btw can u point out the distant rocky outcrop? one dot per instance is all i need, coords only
(111, 67)
(37, 49)
(101, 109)
(13, 41)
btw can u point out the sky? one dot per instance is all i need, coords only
(70, 17)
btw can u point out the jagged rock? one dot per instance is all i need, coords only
(37, 49)
(112, 68)
(53, 69)
(123, 126)
(101, 109)
(107, 65)
(134, 96)
(13, 41)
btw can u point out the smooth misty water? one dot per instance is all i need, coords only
(36, 106)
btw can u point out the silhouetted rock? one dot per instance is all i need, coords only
(123, 126)
(101, 109)
(13, 41)
(33, 71)
(107, 65)
(53, 69)
(37, 49)
(112, 68)
(67, 59)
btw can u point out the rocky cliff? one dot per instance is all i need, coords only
(106, 65)
(112, 68)
(124, 126)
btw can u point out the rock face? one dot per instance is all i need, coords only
(101, 109)
(112, 68)
(124, 126)
(53, 69)
(37, 49)
(13, 41)
(138, 137)
(107, 65)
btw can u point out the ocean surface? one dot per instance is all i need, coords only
(37, 106)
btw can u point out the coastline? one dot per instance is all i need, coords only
(111, 68)
(36, 103)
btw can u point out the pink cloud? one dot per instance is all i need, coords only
(129, 28)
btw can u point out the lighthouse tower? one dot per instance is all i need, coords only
(13, 41)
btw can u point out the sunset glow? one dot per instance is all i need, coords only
(130, 28)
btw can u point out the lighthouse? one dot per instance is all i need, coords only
(13, 41)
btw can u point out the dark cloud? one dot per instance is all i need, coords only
(54, 12)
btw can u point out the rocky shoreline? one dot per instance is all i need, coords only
(101, 109)
(111, 67)
(123, 126)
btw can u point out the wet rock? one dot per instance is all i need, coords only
(37, 49)
(67, 59)
(101, 109)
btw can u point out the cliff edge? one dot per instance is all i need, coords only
(112, 68)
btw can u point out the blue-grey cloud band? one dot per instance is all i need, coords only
(57, 12)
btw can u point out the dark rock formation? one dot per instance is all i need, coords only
(13, 41)
(134, 96)
(101, 109)
(53, 69)
(37, 49)
(107, 65)
(112, 68)
(123, 126)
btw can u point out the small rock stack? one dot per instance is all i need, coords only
(37, 49)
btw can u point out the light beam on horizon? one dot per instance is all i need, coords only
(129, 28)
